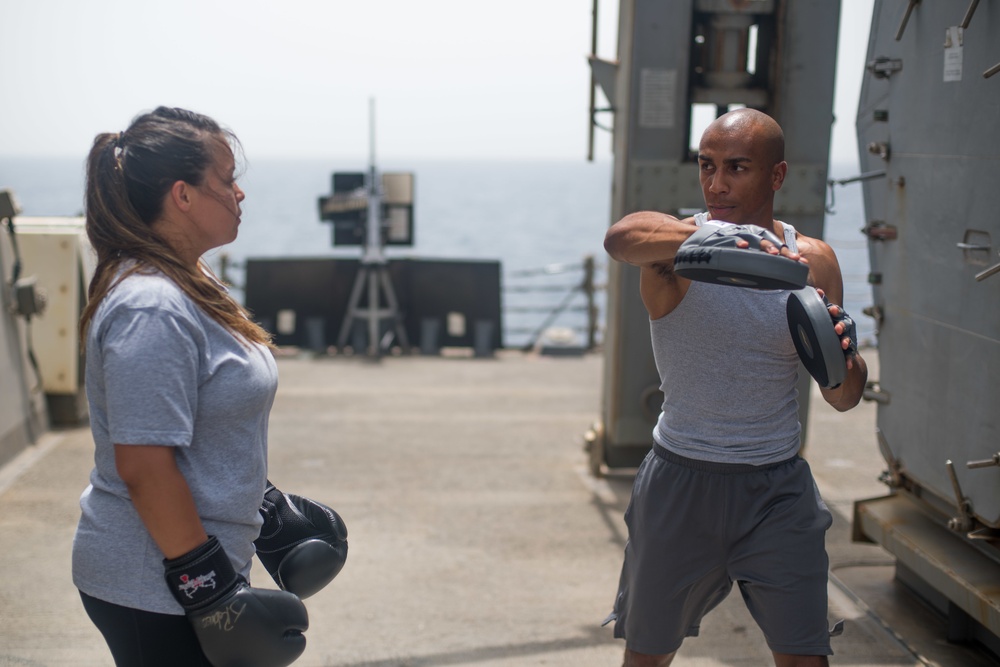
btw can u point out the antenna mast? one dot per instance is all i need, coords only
(373, 271)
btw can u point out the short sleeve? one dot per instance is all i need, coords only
(150, 361)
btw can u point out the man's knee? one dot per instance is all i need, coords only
(633, 659)
(789, 660)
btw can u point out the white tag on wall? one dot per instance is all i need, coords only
(953, 54)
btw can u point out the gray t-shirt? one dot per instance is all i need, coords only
(161, 372)
(728, 371)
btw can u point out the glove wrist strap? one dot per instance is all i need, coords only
(201, 576)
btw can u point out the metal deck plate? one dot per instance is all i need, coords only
(941, 558)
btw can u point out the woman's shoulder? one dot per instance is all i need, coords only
(148, 289)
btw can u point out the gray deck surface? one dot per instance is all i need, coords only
(477, 536)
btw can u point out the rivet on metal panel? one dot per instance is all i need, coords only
(880, 148)
(883, 67)
(877, 314)
(877, 230)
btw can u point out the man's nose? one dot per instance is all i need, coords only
(718, 184)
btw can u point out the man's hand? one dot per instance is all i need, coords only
(739, 255)
(844, 325)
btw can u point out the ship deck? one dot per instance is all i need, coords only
(478, 538)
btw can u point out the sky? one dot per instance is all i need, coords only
(449, 79)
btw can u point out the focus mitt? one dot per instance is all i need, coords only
(711, 255)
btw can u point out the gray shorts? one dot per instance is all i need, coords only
(696, 527)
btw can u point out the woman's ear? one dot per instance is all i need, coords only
(180, 195)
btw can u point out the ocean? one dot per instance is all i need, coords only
(541, 218)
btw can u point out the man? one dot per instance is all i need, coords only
(723, 496)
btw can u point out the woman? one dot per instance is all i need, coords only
(180, 382)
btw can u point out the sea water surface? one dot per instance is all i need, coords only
(527, 215)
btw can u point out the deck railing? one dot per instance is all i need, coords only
(566, 297)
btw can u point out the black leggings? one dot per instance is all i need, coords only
(140, 638)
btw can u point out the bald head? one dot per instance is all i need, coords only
(740, 166)
(755, 126)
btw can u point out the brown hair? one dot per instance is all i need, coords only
(128, 176)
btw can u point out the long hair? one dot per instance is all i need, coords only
(128, 176)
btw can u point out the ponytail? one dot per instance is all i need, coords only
(128, 176)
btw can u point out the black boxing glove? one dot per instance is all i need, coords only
(236, 625)
(302, 544)
(850, 329)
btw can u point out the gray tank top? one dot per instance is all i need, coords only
(728, 373)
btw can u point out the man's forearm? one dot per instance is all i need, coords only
(646, 237)
(849, 393)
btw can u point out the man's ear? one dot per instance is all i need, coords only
(778, 175)
(180, 195)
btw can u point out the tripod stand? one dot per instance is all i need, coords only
(373, 274)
